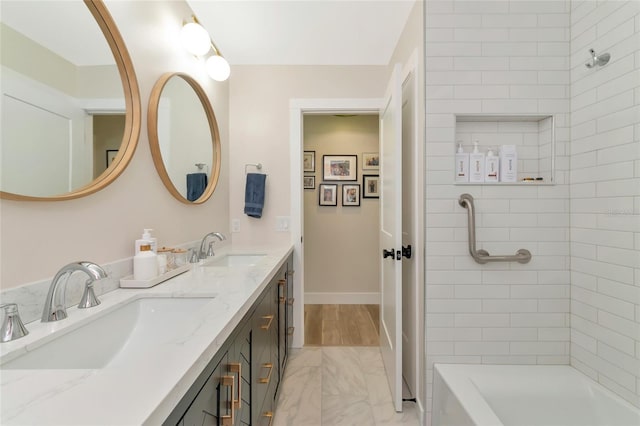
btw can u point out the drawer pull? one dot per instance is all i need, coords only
(236, 367)
(227, 419)
(266, 380)
(290, 301)
(268, 414)
(267, 326)
(290, 331)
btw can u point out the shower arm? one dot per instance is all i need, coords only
(483, 256)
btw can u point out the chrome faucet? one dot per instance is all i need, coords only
(201, 253)
(54, 306)
(12, 326)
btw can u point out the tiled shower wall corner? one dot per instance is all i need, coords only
(496, 57)
(605, 195)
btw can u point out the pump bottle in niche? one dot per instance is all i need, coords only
(491, 167)
(476, 165)
(462, 164)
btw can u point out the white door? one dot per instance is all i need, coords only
(391, 235)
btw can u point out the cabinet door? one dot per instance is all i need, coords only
(240, 368)
(213, 404)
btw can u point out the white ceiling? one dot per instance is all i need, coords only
(304, 32)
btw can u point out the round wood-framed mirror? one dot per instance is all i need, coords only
(37, 166)
(184, 138)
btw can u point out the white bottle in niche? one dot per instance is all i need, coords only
(462, 165)
(145, 264)
(476, 165)
(508, 163)
(491, 167)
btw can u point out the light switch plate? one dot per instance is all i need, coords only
(282, 223)
(235, 225)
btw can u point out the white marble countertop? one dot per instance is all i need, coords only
(145, 391)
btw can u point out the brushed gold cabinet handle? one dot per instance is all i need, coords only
(267, 326)
(290, 331)
(290, 301)
(288, 273)
(236, 367)
(227, 419)
(282, 283)
(268, 414)
(282, 299)
(268, 378)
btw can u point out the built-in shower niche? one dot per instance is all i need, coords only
(533, 136)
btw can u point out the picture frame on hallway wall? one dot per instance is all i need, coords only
(309, 161)
(340, 167)
(309, 182)
(371, 186)
(351, 195)
(370, 161)
(111, 155)
(328, 194)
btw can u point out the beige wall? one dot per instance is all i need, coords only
(259, 128)
(40, 237)
(341, 243)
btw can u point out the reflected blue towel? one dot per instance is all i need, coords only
(254, 194)
(196, 184)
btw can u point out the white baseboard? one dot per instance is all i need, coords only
(342, 298)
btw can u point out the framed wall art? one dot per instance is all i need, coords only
(309, 182)
(309, 161)
(328, 194)
(370, 161)
(371, 186)
(340, 167)
(351, 195)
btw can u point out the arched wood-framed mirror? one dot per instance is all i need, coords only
(103, 91)
(184, 138)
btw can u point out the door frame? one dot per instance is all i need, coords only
(297, 109)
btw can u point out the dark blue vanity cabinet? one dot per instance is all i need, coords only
(239, 386)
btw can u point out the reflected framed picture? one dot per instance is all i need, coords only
(340, 167)
(371, 186)
(370, 161)
(111, 155)
(309, 161)
(328, 194)
(351, 195)
(309, 182)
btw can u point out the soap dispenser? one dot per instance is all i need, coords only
(462, 165)
(476, 165)
(147, 239)
(491, 167)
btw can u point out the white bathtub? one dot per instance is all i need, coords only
(510, 395)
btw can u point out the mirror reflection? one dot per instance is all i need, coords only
(63, 106)
(184, 138)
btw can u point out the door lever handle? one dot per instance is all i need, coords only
(388, 253)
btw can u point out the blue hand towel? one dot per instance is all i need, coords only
(254, 194)
(196, 184)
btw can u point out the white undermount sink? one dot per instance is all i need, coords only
(127, 334)
(235, 260)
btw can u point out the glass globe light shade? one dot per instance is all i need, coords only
(195, 39)
(218, 68)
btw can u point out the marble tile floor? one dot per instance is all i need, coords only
(338, 386)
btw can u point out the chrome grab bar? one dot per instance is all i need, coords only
(483, 256)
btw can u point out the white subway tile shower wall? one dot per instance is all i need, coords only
(496, 57)
(605, 195)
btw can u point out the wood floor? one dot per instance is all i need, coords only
(341, 325)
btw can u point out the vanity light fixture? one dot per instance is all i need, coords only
(195, 38)
(197, 41)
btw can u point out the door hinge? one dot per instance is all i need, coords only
(406, 251)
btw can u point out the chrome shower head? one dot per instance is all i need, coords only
(597, 60)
